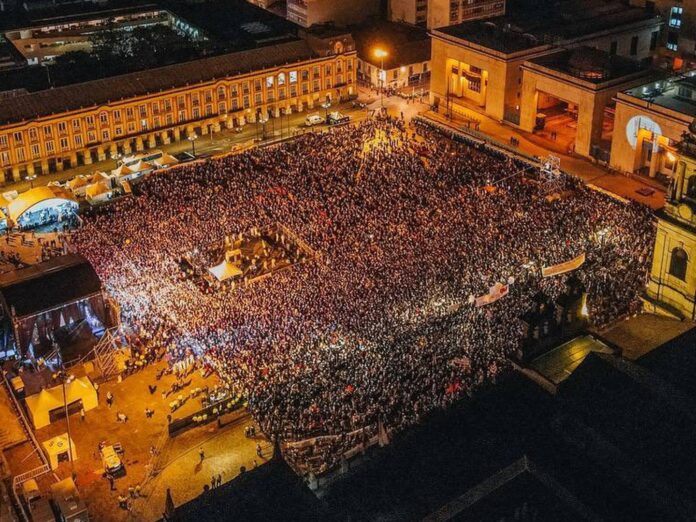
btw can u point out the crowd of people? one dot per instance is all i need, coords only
(409, 225)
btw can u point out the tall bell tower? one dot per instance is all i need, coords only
(672, 285)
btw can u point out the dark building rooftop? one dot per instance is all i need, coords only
(98, 92)
(591, 65)
(530, 25)
(31, 290)
(404, 44)
(269, 493)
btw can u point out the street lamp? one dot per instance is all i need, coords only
(381, 54)
(192, 138)
(66, 378)
(116, 156)
(264, 120)
(30, 178)
(326, 106)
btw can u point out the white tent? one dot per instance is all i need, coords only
(41, 405)
(225, 270)
(58, 448)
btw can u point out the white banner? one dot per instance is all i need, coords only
(495, 292)
(562, 268)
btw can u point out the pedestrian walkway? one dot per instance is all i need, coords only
(591, 173)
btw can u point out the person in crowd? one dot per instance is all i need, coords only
(409, 225)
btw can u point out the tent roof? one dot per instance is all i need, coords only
(78, 181)
(47, 285)
(52, 398)
(225, 270)
(35, 196)
(122, 170)
(96, 189)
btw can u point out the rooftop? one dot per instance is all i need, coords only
(97, 92)
(40, 287)
(404, 44)
(522, 28)
(665, 93)
(590, 65)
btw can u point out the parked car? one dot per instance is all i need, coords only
(111, 461)
(336, 118)
(313, 119)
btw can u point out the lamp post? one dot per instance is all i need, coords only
(30, 178)
(381, 54)
(326, 106)
(263, 120)
(66, 378)
(192, 138)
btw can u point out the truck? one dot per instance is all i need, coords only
(336, 118)
(39, 507)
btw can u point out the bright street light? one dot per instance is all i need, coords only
(192, 138)
(381, 54)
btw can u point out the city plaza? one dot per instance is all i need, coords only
(283, 298)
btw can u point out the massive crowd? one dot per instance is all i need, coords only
(408, 224)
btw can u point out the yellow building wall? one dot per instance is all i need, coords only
(624, 157)
(135, 124)
(675, 229)
(445, 54)
(590, 106)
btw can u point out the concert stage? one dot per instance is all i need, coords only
(246, 258)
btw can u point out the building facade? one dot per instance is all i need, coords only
(78, 124)
(307, 13)
(679, 39)
(481, 65)
(649, 123)
(439, 13)
(672, 285)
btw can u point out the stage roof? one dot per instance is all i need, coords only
(37, 198)
(47, 285)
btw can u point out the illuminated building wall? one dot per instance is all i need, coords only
(649, 121)
(672, 286)
(285, 78)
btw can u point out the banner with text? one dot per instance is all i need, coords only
(562, 268)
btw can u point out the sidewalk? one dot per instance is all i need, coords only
(589, 172)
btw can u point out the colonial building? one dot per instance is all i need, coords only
(672, 285)
(649, 122)
(77, 124)
(439, 13)
(482, 65)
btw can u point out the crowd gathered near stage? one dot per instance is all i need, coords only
(380, 328)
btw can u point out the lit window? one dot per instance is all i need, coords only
(675, 17)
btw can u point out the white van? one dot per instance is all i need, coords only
(313, 119)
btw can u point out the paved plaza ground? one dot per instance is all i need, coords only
(179, 467)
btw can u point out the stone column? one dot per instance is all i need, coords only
(101, 154)
(151, 141)
(15, 173)
(44, 166)
(165, 138)
(177, 134)
(139, 146)
(127, 148)
(88, 157)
